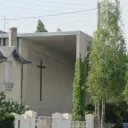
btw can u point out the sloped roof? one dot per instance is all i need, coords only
(7, 51)
(2, 32)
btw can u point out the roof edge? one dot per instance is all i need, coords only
(14, 53)
(36, 34)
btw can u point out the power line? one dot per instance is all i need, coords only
(74, 22)
(66, 13)
(63, 3)
(68, 20)
(21, 13)
(42, 5)
(28, 10)
(39, 10)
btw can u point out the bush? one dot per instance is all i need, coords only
(8, 106)
(114, 112)
(7, 121)
(89, 109)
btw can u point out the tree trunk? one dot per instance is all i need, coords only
(102, 113)
(97, 113)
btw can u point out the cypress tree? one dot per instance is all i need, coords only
(79, 91)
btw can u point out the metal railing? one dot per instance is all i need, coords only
(8, 86)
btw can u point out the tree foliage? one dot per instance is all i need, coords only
(40, 27)
(107, 60)
(79, 91)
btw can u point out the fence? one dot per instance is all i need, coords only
(46, 123)
(78, 124)
(58, 120)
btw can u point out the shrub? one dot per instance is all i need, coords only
(8, 106)
(89, 109)
(114, 112)
(7, 121)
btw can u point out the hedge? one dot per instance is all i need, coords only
(7, 121)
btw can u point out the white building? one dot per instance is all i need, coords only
(42, 68)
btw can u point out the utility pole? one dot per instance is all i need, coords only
(97, 105)
(98, 14)
(117, 3)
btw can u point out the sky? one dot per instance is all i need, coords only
(85, 21)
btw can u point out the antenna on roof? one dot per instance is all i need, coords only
(58, 30)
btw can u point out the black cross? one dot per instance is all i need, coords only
(41, 68)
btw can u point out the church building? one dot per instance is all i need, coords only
(37, 69)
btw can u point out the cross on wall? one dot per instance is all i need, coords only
(41, 66)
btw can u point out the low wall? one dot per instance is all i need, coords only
(57, 120)
(26, 120)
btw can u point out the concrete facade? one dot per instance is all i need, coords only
(58, 51)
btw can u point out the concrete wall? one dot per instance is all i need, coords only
(16, 76)
(57, 77)
(2, 72)
(56, 81)
(83, 42)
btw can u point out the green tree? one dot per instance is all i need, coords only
(40, 27)
(107, 60)
(79, 91)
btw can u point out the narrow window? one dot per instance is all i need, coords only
(8, 84)
(8, 72)
(0, 41)
(18, 39)
(4, 42)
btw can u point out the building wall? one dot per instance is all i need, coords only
(2, 72)
(56, 80)
(16, 76)
(83, 43)
(3, 41)
(57, 77)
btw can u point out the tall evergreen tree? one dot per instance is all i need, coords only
(107, 60)
(40, 27)
(79, 91)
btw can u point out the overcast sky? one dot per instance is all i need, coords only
(84, 21)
